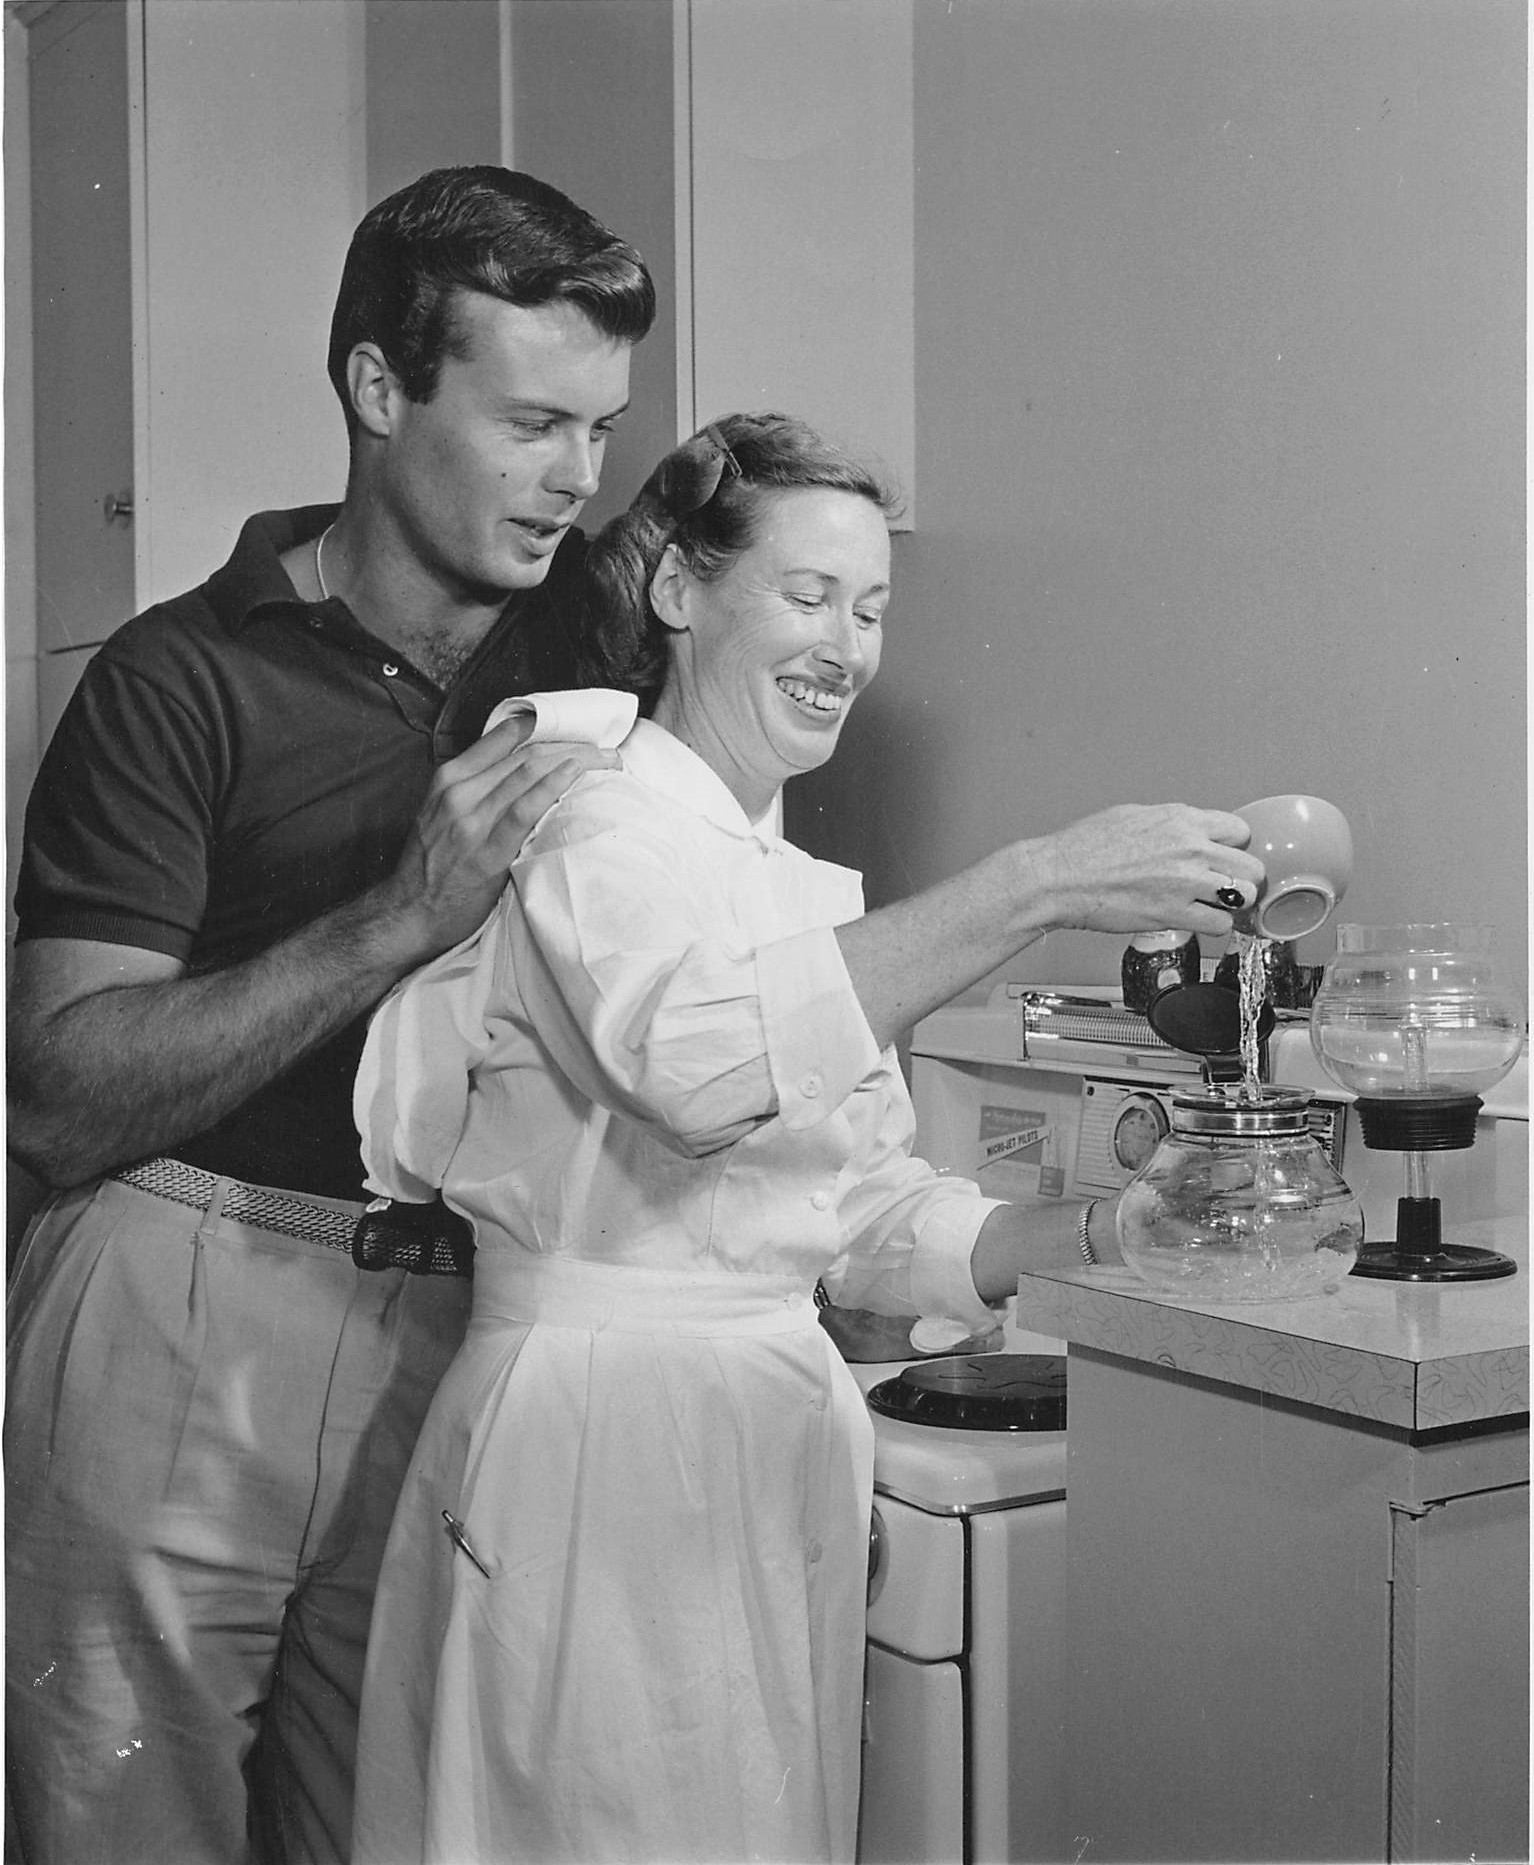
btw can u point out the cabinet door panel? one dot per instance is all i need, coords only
(1460, 1681)
(82, 337)
(254, 173)
(913, 1762)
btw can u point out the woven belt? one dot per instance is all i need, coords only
(427, 1240)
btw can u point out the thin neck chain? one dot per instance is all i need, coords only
(319, 568)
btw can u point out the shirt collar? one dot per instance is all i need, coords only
(254, 577)
(256, 580)
(656, 758)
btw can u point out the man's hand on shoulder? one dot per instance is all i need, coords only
(480, 809)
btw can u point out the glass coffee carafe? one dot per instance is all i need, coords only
(1239, 1203)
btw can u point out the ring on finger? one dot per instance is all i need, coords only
(1231, 896)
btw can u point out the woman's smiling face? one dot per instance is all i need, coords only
(767, 659)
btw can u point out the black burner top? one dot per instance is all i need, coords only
(978, 1392)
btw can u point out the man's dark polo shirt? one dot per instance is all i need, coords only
(236, 761)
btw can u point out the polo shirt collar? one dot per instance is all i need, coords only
(662, 761)
(254, 578)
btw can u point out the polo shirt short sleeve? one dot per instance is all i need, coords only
(236, 762)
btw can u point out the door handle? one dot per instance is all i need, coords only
(118, 505)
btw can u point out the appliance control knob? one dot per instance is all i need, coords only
(1139, 1127)
(876, 1538)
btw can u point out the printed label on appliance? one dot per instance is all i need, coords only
(1017, 1153)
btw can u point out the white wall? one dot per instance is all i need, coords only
(1219, 373)
(1221, 443)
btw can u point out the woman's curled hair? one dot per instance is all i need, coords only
(706, 498)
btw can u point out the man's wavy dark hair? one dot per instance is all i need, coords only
(482, 229)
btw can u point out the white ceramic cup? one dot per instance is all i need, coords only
(1306, 847)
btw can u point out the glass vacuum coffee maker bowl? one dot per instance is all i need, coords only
(1418, 1021)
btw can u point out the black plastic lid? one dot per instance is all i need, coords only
(978, 1392)
(1204, 1019)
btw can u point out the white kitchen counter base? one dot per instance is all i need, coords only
(1297, 1606)
(1422, 1356)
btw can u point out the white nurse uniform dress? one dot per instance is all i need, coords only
(647, 1084)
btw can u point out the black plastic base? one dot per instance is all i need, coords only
(1450, 1262)
(1419, 1123)
(1419, 1253)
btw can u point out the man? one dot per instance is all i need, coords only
(267, 802)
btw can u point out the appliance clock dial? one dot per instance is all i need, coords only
(1138, 1129)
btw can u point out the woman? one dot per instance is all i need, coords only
(621, 1616)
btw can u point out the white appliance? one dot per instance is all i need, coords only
(963, 1750)
(1047, 1095)
(1051, 1093)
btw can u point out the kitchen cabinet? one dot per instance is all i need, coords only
(196, 171)
(762, 156)
(1455, 1753)
(1297, 1607)
(195, 174)
(81, 324)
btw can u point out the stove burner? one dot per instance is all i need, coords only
(978, 1392)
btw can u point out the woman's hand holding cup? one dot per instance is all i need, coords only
(1159, 864)
(1306, 849)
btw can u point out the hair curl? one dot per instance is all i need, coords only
(707, 497)
(483, 229)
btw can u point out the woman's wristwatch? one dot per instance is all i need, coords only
(1084, 1233)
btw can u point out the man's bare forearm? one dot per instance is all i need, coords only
(129, 1069)
(116, 1054)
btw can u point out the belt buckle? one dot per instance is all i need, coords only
(422, 1239)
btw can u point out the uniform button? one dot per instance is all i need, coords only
(811, 1086)
(820, 1200)
(390, 670)
(814, 1551)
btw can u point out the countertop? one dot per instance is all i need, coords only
(1417, 1356)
